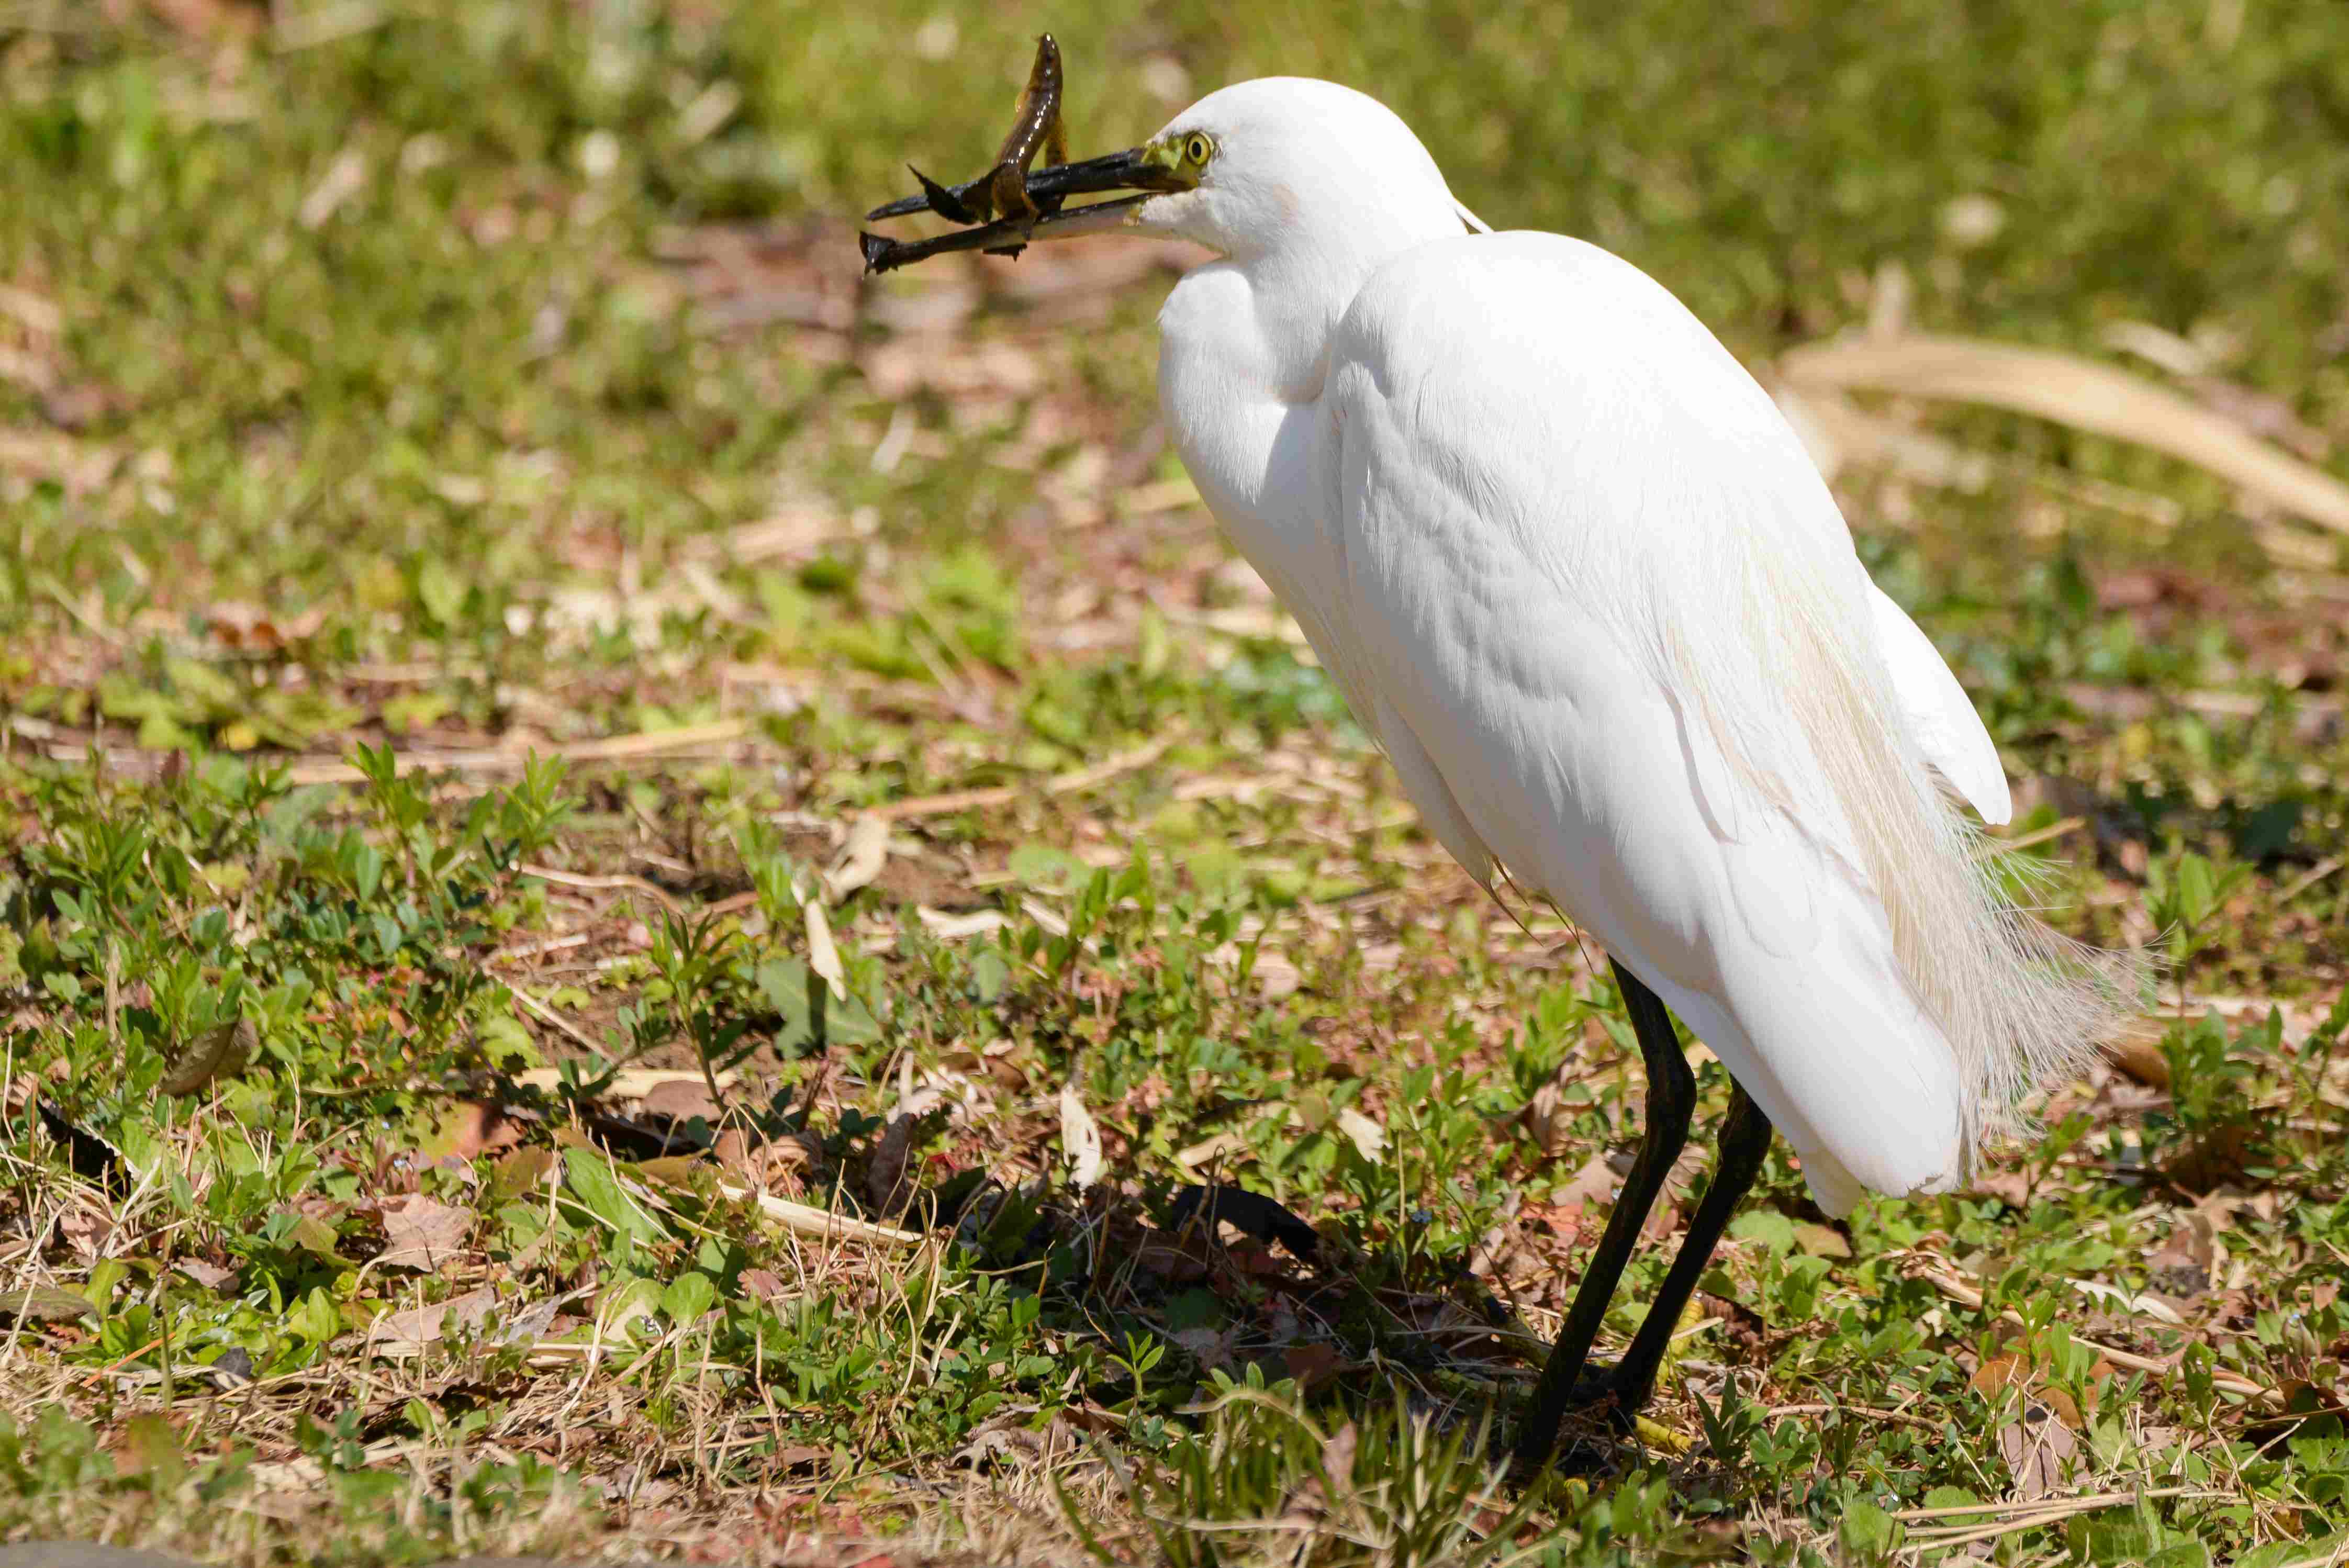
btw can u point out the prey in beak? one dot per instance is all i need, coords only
(1012, 202)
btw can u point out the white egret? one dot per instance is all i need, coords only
(1571, 567)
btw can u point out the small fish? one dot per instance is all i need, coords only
(1035, 128)
(1002, 191)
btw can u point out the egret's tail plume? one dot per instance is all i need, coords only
(2022, 1005)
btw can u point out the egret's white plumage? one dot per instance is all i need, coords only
(1571, 565)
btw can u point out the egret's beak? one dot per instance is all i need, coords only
(1146, 170)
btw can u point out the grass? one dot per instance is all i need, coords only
(493, 605)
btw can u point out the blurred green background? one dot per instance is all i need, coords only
(2039, 170)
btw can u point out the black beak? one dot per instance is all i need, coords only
(1047, 188)
(1048, 191)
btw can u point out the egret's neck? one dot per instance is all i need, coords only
(1246, 339)
(1244, 350)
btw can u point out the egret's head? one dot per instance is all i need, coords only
(1276, 165)
(1288, 161)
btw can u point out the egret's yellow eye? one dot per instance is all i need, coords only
(1198, 149)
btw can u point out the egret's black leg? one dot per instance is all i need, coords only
(1672, 1098)
(1744, 1141)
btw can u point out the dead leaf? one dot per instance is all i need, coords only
(629, 1083)
(469, 1128)
(422, 1233)
(1080, 1139)
(682, 1099)
(2038, 1448)
(1313, 1366)
(344, 179)
(2012, 1188)
(764, 1284)
(2076, 392)
(1369, 1137)
(36, 313)
(212, 1276)
(860, 859)
(255, 630)
(885, 1178)
(398, 1335)
(220, 1052)
(1547, 1118)
(1594, 1183)
(1338, 1453)
(823, 955)
(1208, 1150)
(85, 1229)
(767, 1164)
(44, 1303)
(519, 1172)
(1175, 1258)
(2136, 1051)
(1211, 1347)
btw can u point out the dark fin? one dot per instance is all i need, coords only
(878, 251)
(943, 201)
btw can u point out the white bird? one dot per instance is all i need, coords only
(1574, 571)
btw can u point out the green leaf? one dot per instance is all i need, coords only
(1821, 1241)
(592, 1179)
(2283, 1551)
(1867, 1528)
(688, 1296)
(1047, 868)
(846, 1020)
(441, 591)
(313, 1235)
(1769, 1227)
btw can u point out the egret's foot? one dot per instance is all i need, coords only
(1606, 1394)
(1597, 1418)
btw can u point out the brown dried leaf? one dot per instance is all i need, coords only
(219, 1053)
(2038, 1448)
(1550, 1121)
(1313, 1366)
(405, 1333)
(682, 1099)
(469, 1128)
(2076, 392)
(2136, 1051)
(212, 1276)
(422, 1233)
(1594, 1183)
(2012, 1188)
(519, 1172)
(43, 1303)
(257, 630)
(1211, 1347)
(885, 1178)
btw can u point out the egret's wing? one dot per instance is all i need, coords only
(1942, 720)
(1589, 572)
